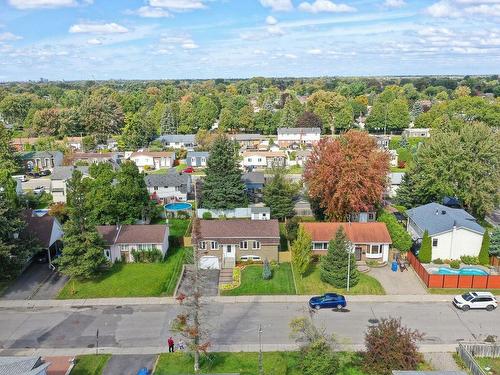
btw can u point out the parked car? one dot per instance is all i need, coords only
(143, 371)
(476, 300)
(42, 257)
(38, 190)
(327, 300)
(45, 173)
(33, 174)
(188, 170)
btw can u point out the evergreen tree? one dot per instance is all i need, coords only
(484, 254)
(425, 252)
(278, 195)
(267, 274)
(223, 187)
(495, 242)
(302, 252)
(335, 264)
(169, 120)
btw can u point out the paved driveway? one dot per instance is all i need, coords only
(406, 282)
(129, 364)
(210, 280)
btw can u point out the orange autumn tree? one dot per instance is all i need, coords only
(347, 174)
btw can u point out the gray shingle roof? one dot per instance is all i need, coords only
(21, 365)
(171, 178)
(245, 137)
(436, 218)
(169, 138)
(198, 154)
(65, 172)
(253, 178)
(28, 155)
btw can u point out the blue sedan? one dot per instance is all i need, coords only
(328, 300)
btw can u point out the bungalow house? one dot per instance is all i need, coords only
(24, 366)
(370, 241)
(263, 159)
(197, 159)
(453, 231)
(41, 160)
(177, 141)
(395, 180)
(301, 157)
(382, 141)
(169, 187)
(89, 158)
(58, 179)
(247, 141)
(393, 154)
(153, 160)
(44, 229)
(298, 136)
(121, 240)
(239, 240)
(417, 132)
(254, 184)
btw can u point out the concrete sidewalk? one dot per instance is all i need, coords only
(427, 348)
(218, 299)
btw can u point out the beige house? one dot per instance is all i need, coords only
(239, 240)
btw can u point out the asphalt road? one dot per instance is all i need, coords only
(230, 324)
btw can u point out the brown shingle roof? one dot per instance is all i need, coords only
(358, 233)
(39, 228)
(133, 234)
(155, 154)
(267, 231)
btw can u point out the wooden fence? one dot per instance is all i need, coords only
(469, 360)
(453, 281)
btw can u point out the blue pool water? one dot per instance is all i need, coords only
(179, 206)
(462, 271)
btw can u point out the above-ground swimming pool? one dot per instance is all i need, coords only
(178, 206)
(468, 271)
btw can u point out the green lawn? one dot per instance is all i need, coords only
(275, 363)
(283, 240)
(312, 284)
(492, 363)
(131, 280)
(459, 291)
(396, 169)
(90, 364)
(158, 171)
(252, 282)
(178, 227)
(295, 169)
(181, 167)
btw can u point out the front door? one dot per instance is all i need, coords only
(358, 252)
(229, 252)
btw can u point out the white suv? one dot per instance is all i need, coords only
(476, 300)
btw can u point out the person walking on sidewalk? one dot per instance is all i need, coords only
(170, 345)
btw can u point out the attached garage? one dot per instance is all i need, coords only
(209, 263)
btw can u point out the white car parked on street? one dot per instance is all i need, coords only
(476, 300)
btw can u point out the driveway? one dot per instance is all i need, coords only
(406, 282)
(210, 281)
(129, 364)
(38, 281)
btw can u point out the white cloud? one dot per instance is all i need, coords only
(314, 51)
(277, 5)
(275, 30)
(8, 37)
(270, 20)
(394, 3)
(325, 6)
(484, 9)
(178, 5)
(94, 42)
(433, 31)
(151, 12)
(464, 8)
(33, 4)
(189, 45)
(98, 28)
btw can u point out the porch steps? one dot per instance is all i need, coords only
(226, 276)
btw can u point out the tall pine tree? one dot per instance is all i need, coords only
(169, 120)
(279, 194)
(425, 252)
(223, 187)
(302, 252)
(335, 264)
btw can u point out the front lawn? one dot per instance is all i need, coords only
(312, 284)
(276, 363)
(453, 291)
(252, 282)
(492, 363)
(181, 167)
(131, 280)
(90, 364)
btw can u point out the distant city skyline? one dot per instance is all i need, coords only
(198, 39)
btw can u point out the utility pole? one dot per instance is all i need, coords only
(261, 364)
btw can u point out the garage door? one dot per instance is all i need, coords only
(209, 263)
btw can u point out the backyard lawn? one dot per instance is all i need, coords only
(312, 284)
(252, 282)
(492, 363)
(276, 363)
(178, 227)
(131, 280)
(90, 364)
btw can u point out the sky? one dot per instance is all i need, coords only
(189, 39)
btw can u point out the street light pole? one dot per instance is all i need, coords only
(261, 365)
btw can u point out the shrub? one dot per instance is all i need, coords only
(401, 239)
(401, 164)
(318, 358)
(147, 256)
(484, 253)
(455, 263)
(207, 215)
(425, 253)
(292, 228)
(391, 346)
(147, 168)
(267, 274)
(438, 261)
(467, 259)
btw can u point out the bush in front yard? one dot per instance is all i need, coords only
(147, 256)
(425, 253)
(391, 346)
(267, 274)
(484, 253)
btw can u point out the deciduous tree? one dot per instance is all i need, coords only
(101, 116)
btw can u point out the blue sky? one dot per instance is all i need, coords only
(163, 39)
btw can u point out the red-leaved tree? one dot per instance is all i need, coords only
(347, 174)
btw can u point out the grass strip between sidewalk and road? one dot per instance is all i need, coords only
(90, 364)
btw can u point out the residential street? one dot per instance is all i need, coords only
(232, 325)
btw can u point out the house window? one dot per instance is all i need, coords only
(244, 245)
(320, 246)
(434, 242)
(193, 161)
(259, 160)
(256, 244)
(371, 216)
(203, 160)
(376, 249)
(249, 160)
(108, 254)
(202, 245)
(214, 245)
(155, 188)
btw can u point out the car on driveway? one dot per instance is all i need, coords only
(38, 190)
(188, 170)
(476, 300)
(328, 300)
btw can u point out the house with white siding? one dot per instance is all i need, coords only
(177, 141)
(169, 187)
(453, 231)
(263, 159)
(298, 136)
(197, 159)
(150, 160)
(59, 179)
